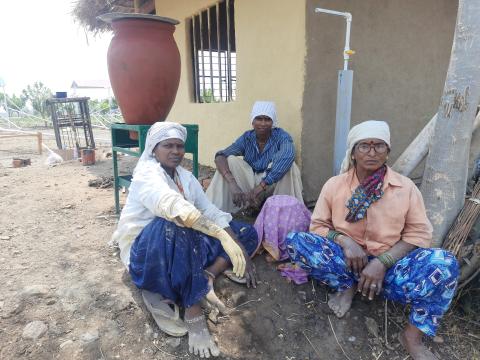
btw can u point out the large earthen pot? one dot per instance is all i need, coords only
(143, 65)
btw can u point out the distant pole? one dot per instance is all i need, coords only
(2, 84)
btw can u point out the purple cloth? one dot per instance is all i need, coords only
(280, 215)
(293, 272)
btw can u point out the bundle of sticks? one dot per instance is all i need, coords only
(458, 233)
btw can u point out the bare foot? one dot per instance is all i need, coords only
(411, 340)
(341, 301)
(200, 341)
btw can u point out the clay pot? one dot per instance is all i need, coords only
(143, 65)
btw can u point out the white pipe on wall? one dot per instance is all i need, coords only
(348, 17)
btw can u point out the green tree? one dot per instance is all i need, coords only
(37, 94)
(16, 102)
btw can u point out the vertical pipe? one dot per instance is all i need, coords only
(343, 114)
(219, 58)
(210, 52)
(229, 65)
(346, 55)
(39, 141)
(203, 60)
(196, 75)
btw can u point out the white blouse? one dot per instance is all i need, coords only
(153, 193)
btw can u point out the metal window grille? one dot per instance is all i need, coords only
(213, 50)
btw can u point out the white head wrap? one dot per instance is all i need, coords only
(265, 108)
(162, 130)
(370, 129)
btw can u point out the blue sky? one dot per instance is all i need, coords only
(41, 42)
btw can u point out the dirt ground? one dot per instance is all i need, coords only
(64, 293)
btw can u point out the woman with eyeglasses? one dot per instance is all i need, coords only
(370, 234)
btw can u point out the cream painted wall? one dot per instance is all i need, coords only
(270, 37)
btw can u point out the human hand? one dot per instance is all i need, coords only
(356, 258)
(250, 273)
(254, 195)
(234, 252)
(371, 279)
(239, 197)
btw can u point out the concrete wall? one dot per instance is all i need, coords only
(270, 38)
(403, 49)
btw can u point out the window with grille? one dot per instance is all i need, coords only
(214, 60)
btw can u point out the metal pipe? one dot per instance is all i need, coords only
(348, 17)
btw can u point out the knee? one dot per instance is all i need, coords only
(442, 259)
(232, 160)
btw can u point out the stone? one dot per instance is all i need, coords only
(352, 338)
(173, 342)
(66, 343)
(438, 339)
(372, 326)
(4, 237)
(51, 301)
(89, 337)
(34, 290)
(33, 330)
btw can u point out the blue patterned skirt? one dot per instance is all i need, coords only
(425, 278)
(169, 259)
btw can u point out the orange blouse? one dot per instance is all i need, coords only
(398, 215)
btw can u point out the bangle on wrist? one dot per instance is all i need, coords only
(332, 235)
(387, 259)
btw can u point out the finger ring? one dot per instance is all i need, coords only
(373, 285)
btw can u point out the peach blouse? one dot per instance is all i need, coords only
(398, 215)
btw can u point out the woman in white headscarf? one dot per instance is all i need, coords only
(175, 241)
(369, 233)
(267, 166)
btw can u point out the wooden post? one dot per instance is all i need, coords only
(39, 139)
(136, 6)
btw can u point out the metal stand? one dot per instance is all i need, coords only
(71, 119)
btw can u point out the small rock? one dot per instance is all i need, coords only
(155, 335)
(173, 342)
(372, 326)
(303, 295)
(5, 237)
(89, 337)
(352, 338)
(66, 343)
(148, 331)
(438, 339)
(12, 307)
(51, 301)
(281, 336)
(213, 315)
(34, 290)
(33, 330)
(148, 351)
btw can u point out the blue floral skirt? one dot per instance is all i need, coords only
(425, 278)
(170, 259)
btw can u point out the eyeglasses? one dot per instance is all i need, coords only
(379, 148)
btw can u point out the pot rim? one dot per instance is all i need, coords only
(111, 17)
